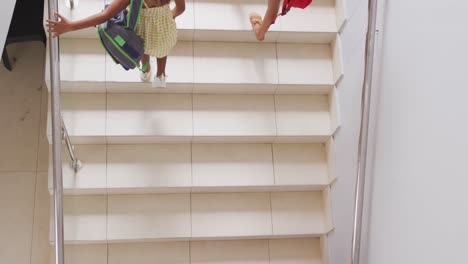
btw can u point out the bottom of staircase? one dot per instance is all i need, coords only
(281, 251)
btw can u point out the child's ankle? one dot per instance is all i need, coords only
(146, 67)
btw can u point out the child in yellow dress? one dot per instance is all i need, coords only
(156, 26)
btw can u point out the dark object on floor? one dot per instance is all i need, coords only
(26, 25)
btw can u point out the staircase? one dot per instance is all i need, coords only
(232, 163)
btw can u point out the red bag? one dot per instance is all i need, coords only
(288, 4)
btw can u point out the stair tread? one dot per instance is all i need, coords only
(207, 67)
(152, 118)
(163, 217)
(220, 20)
(183, 168)
(309, 250)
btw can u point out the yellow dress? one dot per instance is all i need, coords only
(158, 29)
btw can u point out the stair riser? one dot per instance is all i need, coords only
(209, 67)
(311, 250)
(228, 21)
(165, 217)
(199, 168)
(181, 118)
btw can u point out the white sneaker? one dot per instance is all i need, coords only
(145, 76)
(159, 82)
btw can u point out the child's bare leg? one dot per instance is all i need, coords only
(161, 66)
(145, 76)
(145, 59)
(160, 78)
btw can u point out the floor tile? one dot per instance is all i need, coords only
(43, 149)
(20, 104)
(40, 242)
(17, 203)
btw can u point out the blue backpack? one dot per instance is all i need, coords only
(119, 39)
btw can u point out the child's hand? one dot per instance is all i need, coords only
(59, 27)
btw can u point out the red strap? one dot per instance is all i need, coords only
(287, 5)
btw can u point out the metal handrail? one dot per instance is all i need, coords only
(59, 133)
(56, 139)
(75, 162)
(364, 130)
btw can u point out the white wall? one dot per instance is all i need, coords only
(419, 197)
(6, 12)
(346, 139)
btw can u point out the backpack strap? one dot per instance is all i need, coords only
(134, 13)
(144, 68)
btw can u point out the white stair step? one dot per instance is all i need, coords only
(231, 215)
(85, 219)
(163, 217)
(257, 251)
(91, 178)
(208, 67)
(148, 217)
(180, 68)
(222, 20)
(254, 251)
(202, 118)
(298, 251)
(148, 116)
(278, 251)
(184, 168)
(149, 253)
(296, 213)
(82, 254)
